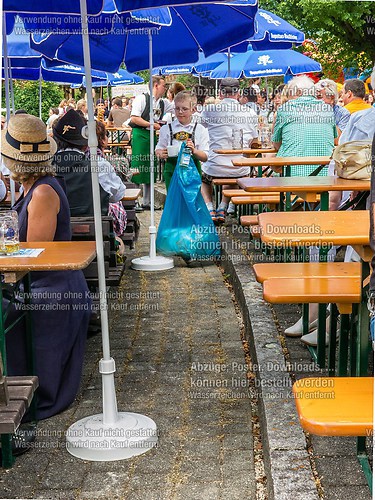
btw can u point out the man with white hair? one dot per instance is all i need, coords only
(327, 91)
(304, 125)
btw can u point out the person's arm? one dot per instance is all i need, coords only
(110, 181)
(277, 130)
(197, 153)
(137, 120)
(42, 214)
(164, 139)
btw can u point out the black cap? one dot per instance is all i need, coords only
(69, 128)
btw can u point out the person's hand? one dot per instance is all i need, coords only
(157, 126)
(162, 153)
(190, 145)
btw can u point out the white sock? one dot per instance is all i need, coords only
(209, 206)
(223, 206)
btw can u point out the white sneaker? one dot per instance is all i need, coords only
(296, 329)
(231, 208)
(311, 339)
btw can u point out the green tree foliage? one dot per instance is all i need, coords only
(344, 32)
(26, 96)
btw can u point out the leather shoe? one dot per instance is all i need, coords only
(296, 329)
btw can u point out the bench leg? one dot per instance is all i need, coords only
(343, 345)
(6, 451)
(321, 348)
(363, 340)
(363, 460)
(353, 340)
(332, 340)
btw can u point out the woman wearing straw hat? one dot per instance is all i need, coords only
(59, 329)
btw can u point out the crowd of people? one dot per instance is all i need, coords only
(299, 119)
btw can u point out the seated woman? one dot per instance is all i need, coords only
(61, 300)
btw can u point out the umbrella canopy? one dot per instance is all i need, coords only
(121, 77)
(272, 32)
(208, 28)
(203, 66)
(48, 7)
(252, 64)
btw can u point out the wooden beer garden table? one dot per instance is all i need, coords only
(279, 161)
(56, 256)
(349, 227)
(244, 151)
(306, 187)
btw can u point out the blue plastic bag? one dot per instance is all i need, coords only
(186, 227)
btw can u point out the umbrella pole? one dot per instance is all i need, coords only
(228, 62)
(40, 93)
(152, 262)
(109, 435)
(7, 97)
(11, 89)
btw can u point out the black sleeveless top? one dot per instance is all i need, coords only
(63, 231)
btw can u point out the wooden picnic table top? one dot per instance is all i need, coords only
(56, 256)
(118, 129)
(281, 161)
(131, 194)
(312, 184)
(350, 227)
(244, 151)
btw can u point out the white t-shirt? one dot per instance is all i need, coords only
(201, 139)
(139, 105)
(221, 119)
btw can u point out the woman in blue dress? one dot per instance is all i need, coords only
(60, 299)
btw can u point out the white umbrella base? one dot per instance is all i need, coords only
(157, 263)
(131, 435)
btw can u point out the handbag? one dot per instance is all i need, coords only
(353, 160)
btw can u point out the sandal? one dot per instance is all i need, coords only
(213, 215)
(220, 216)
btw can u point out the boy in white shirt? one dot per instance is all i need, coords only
(182, 129)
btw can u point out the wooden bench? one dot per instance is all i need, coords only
(343, 291)
(335, 406)
(16, 394)
(304, 270)
(338, 406)
(251, 221)
(218, 186)
(242, 192)
(244, 204)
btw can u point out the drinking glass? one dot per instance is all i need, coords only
(9, 236)
(237, 139)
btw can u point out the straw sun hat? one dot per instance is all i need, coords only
(26, 140)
